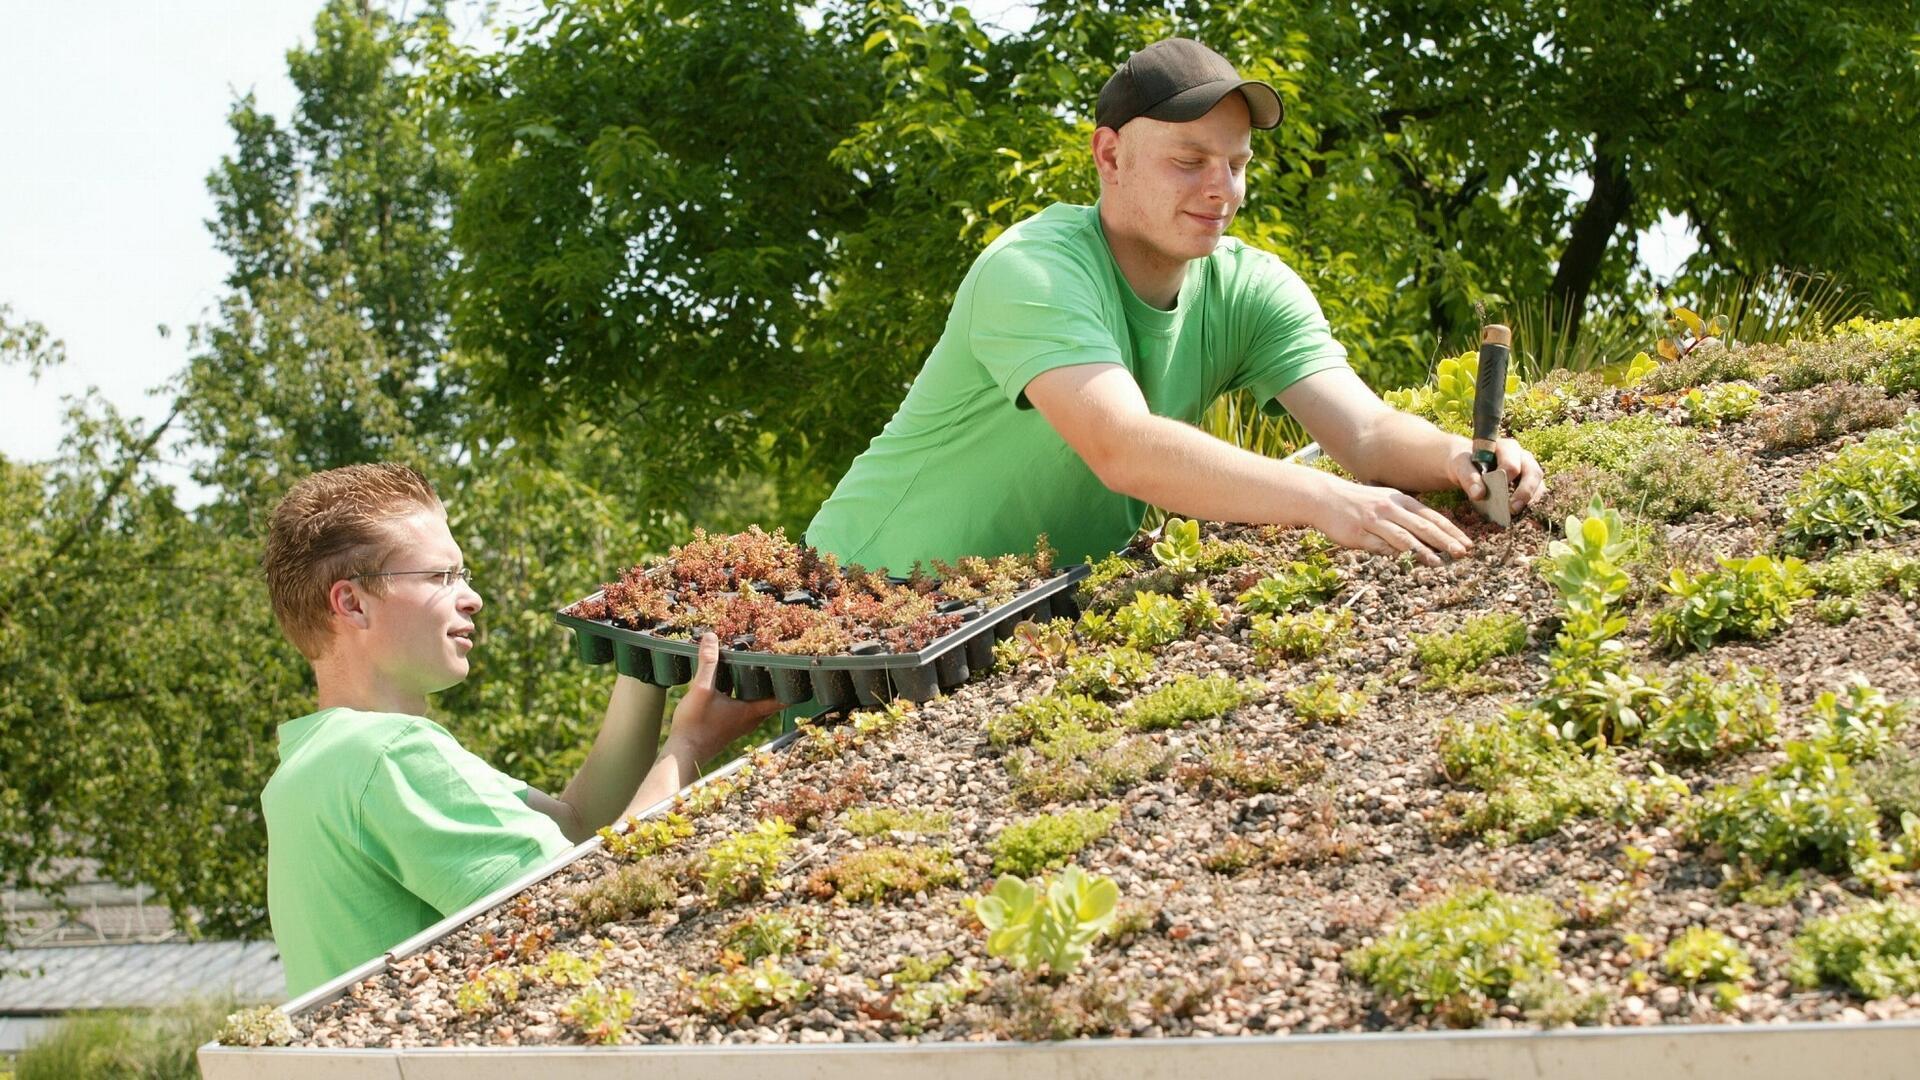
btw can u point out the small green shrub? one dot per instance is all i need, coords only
(599, 1014)
(1179, 549)
(749, 991)
(1704, 367)
(1873, 950)
(1048, 924)
(559, 968)
(1869, 489)
(1308, 581)
(645, 839)
(1453, 660)
(1188, 698)
(1807, 812)
(1047, 841)
(1745, 599)
(919, 996)
(1863, 572)
(1859, 723)
(1323, 702)
(1533, 782)
(1836, 610)
(1067, 770)
(1459, 956)
(881, 820)
(1892, 781)
(1106, 674)
(1816, 421)
(711, 795)
(1229, 769)
(488, 991)
(744, 865)
(1701, 954)
(1710, 407)
(885, 873)
(1152, 620)
(1710, 715)
(1448, 399)
(1047, 718)
(772, 933)
(630, 891)
(1299, 636)
(1655, 469)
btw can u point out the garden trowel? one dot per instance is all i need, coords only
(1489, 396)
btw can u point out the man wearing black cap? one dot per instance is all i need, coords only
(1086, 341)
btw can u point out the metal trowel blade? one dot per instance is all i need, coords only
(1496, 506)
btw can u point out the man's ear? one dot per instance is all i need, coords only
(1106, 154)
(347, 600)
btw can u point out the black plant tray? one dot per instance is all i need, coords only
(836, 682)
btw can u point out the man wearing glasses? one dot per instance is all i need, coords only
(379, 824)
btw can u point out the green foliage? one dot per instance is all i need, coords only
(645, 839)
(1873, 950)
(1233, 771)
(1310, 581)
(744, 865)
(749, 991)
(885, 873)
(487, 991)
(598, 1013)
(630, 891)
(1047, 841)
(880, 820)
(1870, 489)
(1652, 468)
(1083, 765)
(1045, 719)
(1151, 620)
(1179, 550)
(1300, 636)
(919, 1000)
(1859, 573)
(1859, 723)
(1820, 419)
(771, 933)
(1712, 406)
(1592, 698)
(1188, 698)
(1701, 954)
(1048, 924)
(1461, 955)
(1745, 599)
(1323, 702)
(1892, 780)
(1448, 402)
(1534, 782)
(160, 1045)
(1453, 660)
(559, 968)
(1105, 674)
(1897, 341)
(1808, 811)
(1712, 715)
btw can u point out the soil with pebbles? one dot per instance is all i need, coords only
(1215, 954)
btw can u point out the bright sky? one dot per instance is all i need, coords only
(112, 112)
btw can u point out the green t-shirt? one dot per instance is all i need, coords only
(968, 467)
(378, 826)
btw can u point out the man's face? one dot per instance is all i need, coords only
(420, 630)
(1174, 188)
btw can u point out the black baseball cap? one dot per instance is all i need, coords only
(1177, 80)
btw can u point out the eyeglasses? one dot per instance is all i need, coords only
(447, 577)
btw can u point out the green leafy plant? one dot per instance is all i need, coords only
(1815, 421)
(1084, 765)
(1711, 715)
(1461, 955)
(1046, 718)
(1745, 599)
(1323, 702)
(1860, 722)
(1448, 402)
(748, 991)
(645, 839)
(630, 891)
(1859, 573)
(881, 820)
(1301, 636)
(1305, 581)
(1179, 547)
(1151, 620)
(1702, 954)
(1188, 698)
(1230, 769)
(1454, 660)
(1532, 782)
(560, 968)
(1873, 950)
(1808, 811)
(1869, 489)
(1105, 674)
(885, 873)
(598, 1013)
(771, 933)
(744, 865)
(1709, 407)
(919, 994)
(1031, 845)
(1048, 924)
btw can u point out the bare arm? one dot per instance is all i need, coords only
(1099, 410)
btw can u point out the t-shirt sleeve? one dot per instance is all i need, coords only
(1034, 309)
(448, 826)
(1287, 336)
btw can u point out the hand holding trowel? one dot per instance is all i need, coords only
(1489, 397)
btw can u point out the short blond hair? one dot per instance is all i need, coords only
(331, 526)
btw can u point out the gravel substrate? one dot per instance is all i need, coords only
(1209, 953)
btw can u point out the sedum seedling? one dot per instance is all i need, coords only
(1746, 599)
(1048, 924)
(744, 865)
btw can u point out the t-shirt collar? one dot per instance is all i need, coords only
(1142, 315)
